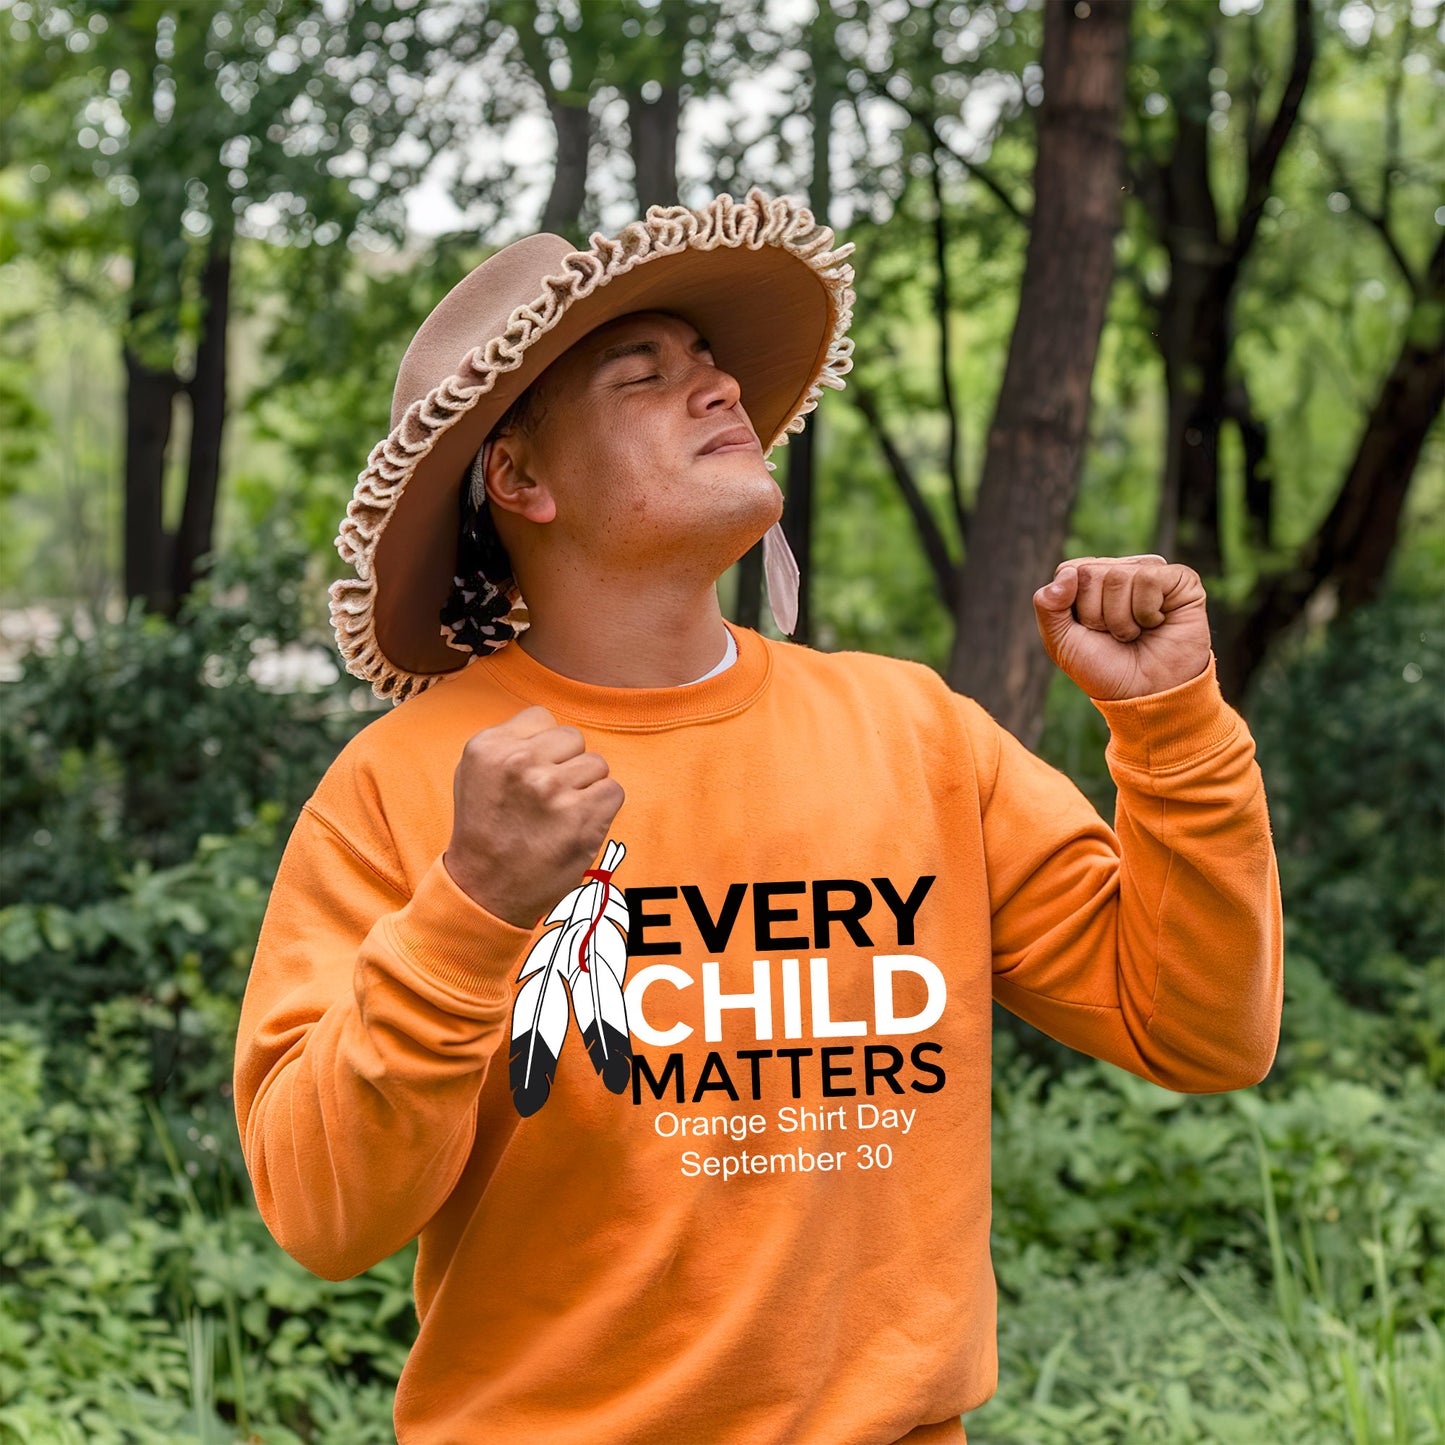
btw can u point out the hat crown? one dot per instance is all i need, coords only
(474, 311)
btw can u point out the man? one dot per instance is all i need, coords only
(642, 967)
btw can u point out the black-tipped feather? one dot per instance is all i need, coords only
(533, 1073)
(611, 1055)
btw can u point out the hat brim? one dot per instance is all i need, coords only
(773, 300)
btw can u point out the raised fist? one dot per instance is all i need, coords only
(1125, 627)
(532, 809)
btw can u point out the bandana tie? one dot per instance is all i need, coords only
(474, 617)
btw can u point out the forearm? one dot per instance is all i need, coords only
(1201, 949)
(359, 1065)
(1156, 945)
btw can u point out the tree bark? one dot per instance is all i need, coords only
(798, 521)
(563, 212)
(1351, 549)
(802, 450)
(1195, 337)
(207, 390)
(652, 127)
(149, 398)
(748, 609)
(1037, 436)
(1196, 326)
(148, 351)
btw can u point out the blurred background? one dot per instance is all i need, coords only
(1163, 276)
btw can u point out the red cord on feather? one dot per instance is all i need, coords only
(605, 879)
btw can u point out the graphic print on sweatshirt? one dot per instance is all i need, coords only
(787, 1089)
(801, 1095)
(582, 960)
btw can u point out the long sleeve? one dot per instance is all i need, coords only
(1158, 944)
(369, 1022)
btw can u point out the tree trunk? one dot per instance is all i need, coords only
(802, 450)
(1036, 439)
(1194, 336)
(748, 609)
(1196, 327)
(652, 140)
(563, 213)
(1350, 552)
(208, 417)
(149, 399)
(148, 350)
(798, 520)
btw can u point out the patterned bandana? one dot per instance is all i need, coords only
(474, 618)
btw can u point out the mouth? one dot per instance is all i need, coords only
(734, 439)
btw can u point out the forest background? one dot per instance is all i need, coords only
(1159, 276)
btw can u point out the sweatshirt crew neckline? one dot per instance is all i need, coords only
(635, 709)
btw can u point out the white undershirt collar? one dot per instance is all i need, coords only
(728, 658)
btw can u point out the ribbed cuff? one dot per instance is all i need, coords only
(1162, 731)
(449, 936)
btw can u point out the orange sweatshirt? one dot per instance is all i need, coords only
(703, 1158)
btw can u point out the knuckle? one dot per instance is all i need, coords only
(543, 781)
(479, 743)
(512, 763)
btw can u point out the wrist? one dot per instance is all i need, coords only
(452, 938)
(1168, 728)
(480, 885)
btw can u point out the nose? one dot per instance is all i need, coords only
(713, 390)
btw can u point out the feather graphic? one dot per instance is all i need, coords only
(586, 959)
(595, 971)
(539, 1023)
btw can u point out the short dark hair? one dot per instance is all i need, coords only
(525, 414)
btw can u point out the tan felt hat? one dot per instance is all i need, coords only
(760, 278)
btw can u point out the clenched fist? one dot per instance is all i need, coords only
(1125, 626)
(532, 808)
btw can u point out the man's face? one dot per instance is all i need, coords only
(646, 452)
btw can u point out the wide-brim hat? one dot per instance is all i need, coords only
(760, 278)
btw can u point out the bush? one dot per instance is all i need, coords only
(126, 746)
(134, 1314)
(1263, 1265)
(152, 781)
(1353, 753)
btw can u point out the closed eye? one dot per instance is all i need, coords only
(636, 380)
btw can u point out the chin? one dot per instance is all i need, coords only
(726, 517)
(757, 507)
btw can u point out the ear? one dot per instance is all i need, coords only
(511, 487)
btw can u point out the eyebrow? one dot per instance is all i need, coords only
(641, 348)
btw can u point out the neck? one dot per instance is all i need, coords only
(662, 634)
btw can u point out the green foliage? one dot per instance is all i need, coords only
(1244, 1267)
(143, 1299)
(123, 748)
(1259, 1265)
(1353, 753)
(150, 781)
(134, 1313)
